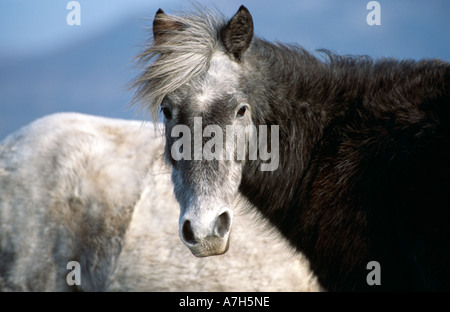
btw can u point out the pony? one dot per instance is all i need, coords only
(360, 148)
(95, 190)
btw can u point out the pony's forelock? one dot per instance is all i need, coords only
(183, 54)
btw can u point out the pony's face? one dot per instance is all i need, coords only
(206, 143)
(207, 131)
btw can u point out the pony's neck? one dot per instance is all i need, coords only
(288, 87)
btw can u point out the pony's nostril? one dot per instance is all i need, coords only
(188, 234)
(223, 224)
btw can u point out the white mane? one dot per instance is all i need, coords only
(183, 54)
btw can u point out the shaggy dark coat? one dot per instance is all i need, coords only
(364, 146)
(375, 139)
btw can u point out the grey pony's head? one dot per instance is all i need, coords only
(194, 79)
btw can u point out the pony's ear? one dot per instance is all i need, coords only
(163, 25)
(238, 33)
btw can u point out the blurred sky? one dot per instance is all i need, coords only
(409, 28)
(34, 29)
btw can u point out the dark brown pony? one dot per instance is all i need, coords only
(363, 148)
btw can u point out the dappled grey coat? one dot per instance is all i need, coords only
(94, 190)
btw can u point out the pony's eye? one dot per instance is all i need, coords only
(167, 112)
(241, 112)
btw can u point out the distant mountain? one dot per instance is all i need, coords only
(89, 77)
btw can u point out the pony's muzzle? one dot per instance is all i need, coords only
(206, 237)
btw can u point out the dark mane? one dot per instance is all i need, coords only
(365, 144)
